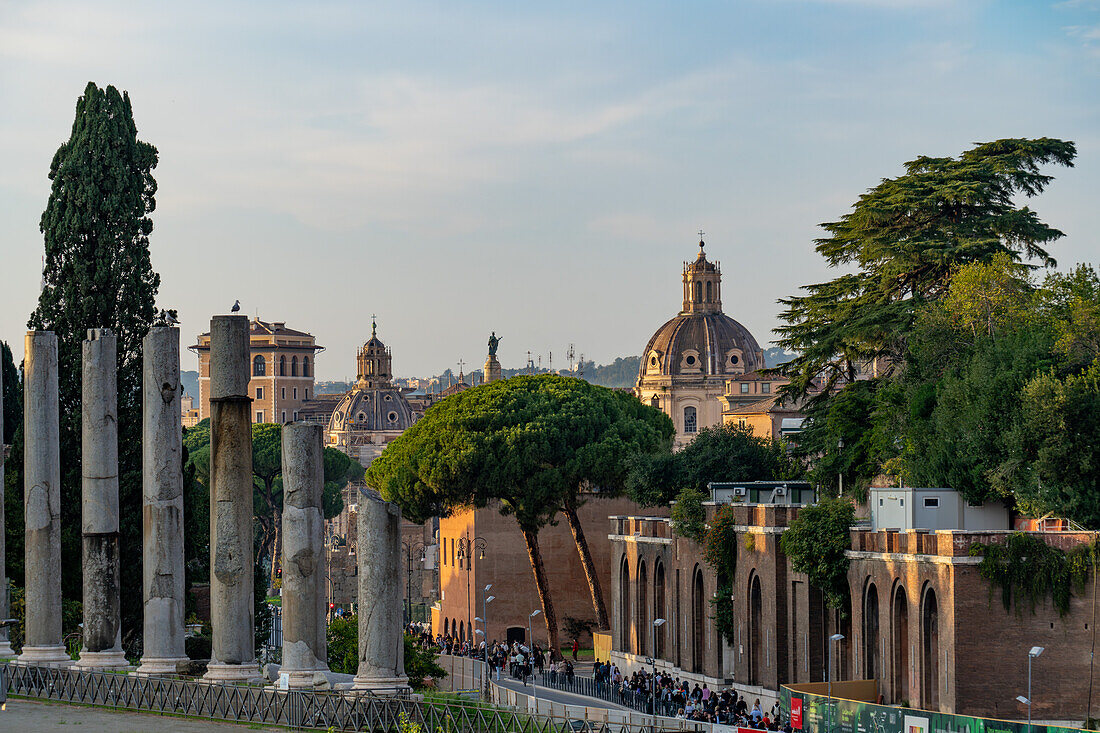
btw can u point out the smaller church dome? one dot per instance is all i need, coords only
(373, 410)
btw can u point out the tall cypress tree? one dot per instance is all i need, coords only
(98, 274)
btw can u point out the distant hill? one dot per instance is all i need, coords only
(775, 356)
(190, 382)
(331, 387)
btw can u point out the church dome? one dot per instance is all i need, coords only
(372, 410)
(701, 340)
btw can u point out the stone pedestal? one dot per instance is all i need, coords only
(99, 503)
(381, 633)
(42, 503)
(231, 560)
(492, 369)
(303, 561)
(5, 607)
(162, 504)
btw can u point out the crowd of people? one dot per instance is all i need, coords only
(662, 693)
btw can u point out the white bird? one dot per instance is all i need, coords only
(171, 320)
(236, 306)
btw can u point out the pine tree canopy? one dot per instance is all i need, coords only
(901, 241)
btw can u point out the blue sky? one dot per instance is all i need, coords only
(538, 169)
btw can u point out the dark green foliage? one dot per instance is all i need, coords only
(720, 453)
(901, 245)
(1026, 567)
(343, 644)
(720, 552)
(98, 274)
(420, 664)
(816, 541)
(689, 516)
(199, 647)
(11, 489)
(845, 418)
(12, 419)
(575, 627)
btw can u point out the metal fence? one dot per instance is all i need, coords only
(342, 711)
(608, 692)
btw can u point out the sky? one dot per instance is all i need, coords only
(537, 169)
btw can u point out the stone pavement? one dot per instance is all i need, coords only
(26, 716)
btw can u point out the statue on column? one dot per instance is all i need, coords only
(493, 341)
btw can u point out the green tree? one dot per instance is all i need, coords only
(267, 458)
(98, 274)
(816, 541)
(720, 453)
(11, 433)
(532, 444)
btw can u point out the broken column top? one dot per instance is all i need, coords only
(229, 357)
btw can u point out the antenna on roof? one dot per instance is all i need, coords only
(569, 355)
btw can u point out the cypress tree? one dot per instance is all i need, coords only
(98, 273)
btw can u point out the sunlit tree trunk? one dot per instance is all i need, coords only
(570, 512)
(531, 538)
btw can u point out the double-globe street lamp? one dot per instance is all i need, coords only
(466, 549)
(410, 548)
(531, 654)
(486, 599)
(829, 678)
(657, 623)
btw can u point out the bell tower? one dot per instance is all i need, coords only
(702, 284)
(374, 362)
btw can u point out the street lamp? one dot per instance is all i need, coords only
(410, 548)
(840, 471)
(1034, 652)
(531, 649)
(829, 679)
(657, 623)
(466, 548)
(485, 601)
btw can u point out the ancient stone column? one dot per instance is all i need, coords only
(303, 561)
(5, 645)
(381, 635)
(162, 504)
(99, 502)
(231, 563)
(42, 503)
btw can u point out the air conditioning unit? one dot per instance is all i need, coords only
(781, 491)
(740, 491)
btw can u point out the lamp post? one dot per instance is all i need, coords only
(531, 650)
(1034, 652)
(466, 548)
(840, 471)
(657, 623)
(410, 548)
(829, 678)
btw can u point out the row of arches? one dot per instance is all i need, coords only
(647, 600)
(455, 629)
(900, 664)
(259, 366)
(698, 288)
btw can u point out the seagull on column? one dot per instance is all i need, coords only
(236, 306)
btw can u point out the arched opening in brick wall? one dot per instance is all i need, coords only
(659, 608)
(872, 664)
(901, 645)
(698, 620)
(446, 627)
(756, 633)
(930, 647)
(624, 606)
(644, 629)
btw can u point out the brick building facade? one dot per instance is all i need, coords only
(921, 621)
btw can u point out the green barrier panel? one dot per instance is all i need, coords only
(814, 714)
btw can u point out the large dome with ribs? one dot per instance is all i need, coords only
(701, 344)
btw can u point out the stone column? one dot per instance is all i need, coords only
(99, 502)
(381, 633)
(231, 562)
(42, 503)
(491, 371)
(303, 561)
(162, 504)
(5, 645)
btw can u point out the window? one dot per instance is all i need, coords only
(744, 387)
(708, 291)
(295, 393)
(690, 423)
(282, 366)
(295, 416)
(282, 395)
(392, 417)
(734, 358)
(305, 366)
(880, 501)
(259, 366)
(931, 502)
(654, 401)
(307, 393)
(903, 502)
(259, 393)
(260, 416)
(284, 416)
(698, 292)
(294, 366)
(766, 387)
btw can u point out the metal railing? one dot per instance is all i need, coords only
(608, 692)
(342, 711)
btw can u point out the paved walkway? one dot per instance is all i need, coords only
(555, 695)
(26, 716)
